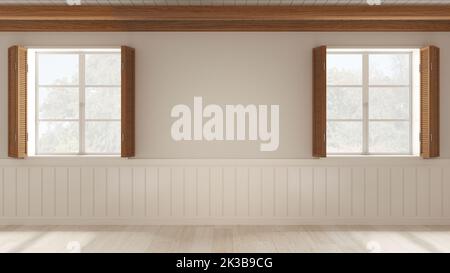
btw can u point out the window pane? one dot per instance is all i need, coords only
(344, 69)
(58, 103)
(58, 137)
(344, 103)
(58, 69)
(103, 137)
(389, 69)
(389, 103)
(103, 69)
(389, 137)
(103, 103)
(344, 137)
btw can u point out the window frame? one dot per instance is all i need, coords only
(365, 87)
(81, 86)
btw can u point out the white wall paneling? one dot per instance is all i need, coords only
(331, 191)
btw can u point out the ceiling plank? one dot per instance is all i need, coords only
(225, 18)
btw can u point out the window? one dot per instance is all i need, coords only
(74, 101)
(373, 99)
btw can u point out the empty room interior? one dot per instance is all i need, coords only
(216, 126)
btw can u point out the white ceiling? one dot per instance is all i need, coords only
(222, 2)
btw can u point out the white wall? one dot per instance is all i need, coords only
(224, 68)
(170, 183)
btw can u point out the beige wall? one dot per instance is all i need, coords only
(224, 68)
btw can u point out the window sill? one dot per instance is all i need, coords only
(373, 156)
(74, 156)
(93, 162)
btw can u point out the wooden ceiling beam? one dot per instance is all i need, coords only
(225, 18)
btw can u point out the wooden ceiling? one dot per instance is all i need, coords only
(221, 2)
(113, 15)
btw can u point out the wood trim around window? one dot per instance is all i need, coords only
(17, 102)
(128, 102)
(225, 18)
(319, 102)
(429, 102)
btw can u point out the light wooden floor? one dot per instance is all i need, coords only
(224, 239)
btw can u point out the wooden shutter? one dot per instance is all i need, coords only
(127, 101)
(17, 102)
(429, 102)
(320, 101)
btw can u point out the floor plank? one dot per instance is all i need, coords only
(225, 239)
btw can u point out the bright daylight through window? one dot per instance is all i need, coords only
(74, 101)
(373, 101)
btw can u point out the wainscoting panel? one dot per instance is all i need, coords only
(331, 191)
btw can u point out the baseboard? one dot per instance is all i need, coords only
(224, 221)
